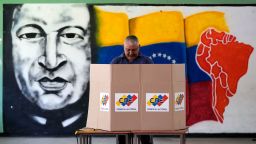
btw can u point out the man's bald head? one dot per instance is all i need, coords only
(132, 39)
(131, 47)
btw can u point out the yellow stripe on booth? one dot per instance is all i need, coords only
(196, 24)
(112, 28)
(163, 26)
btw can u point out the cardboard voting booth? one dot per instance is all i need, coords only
(137, 97)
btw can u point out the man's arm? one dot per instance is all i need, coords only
(115, 60)
(149, 61)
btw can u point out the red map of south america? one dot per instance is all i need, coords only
(225, 60)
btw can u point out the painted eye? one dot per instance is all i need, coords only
(30, 32)
(30, 36)
(72, 36)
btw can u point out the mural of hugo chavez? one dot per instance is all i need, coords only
(50, 55)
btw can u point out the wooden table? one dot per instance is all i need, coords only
(181, 133)
(84, 135)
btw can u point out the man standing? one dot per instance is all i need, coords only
(132, 55)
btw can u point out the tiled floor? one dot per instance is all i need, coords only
(111, 140)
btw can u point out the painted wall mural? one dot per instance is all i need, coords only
(218, 54)
(47, 57)
(225, 60)
(46, 73)
(214, 58)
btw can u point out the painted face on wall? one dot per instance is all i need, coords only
(51, 53)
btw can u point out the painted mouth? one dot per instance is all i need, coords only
(55, 84)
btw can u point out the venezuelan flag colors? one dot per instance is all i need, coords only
(158, 27)
(161, 36)
(167, 37)
(112, 28)
(200, 83)
(196, 24)
(215, 63)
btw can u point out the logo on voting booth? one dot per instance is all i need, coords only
(179, 101)
(104, 101)
(126, 102)
(157, 102)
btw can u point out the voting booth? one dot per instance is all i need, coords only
(137, 97)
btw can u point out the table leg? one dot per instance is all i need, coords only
(90, 139)
(130, 138)
(151, 139)
(82, 139)
(85, 140)
(79, 140)
(135, 139)
(182, 139)
(126, 139)
(117, 141)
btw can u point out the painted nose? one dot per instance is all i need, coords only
(52, 60)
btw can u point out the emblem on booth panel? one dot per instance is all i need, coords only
(157, 102)
(179, 99)
(126, 102)
(104, 101)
